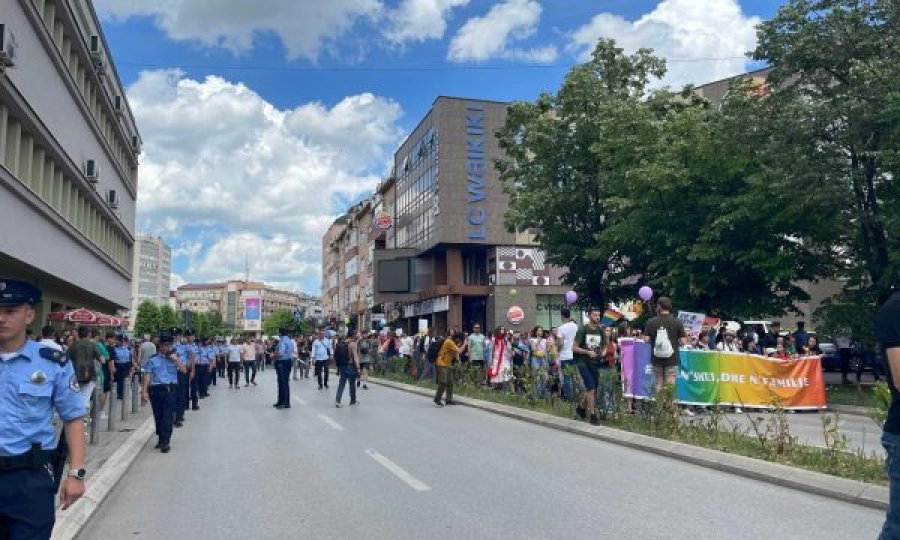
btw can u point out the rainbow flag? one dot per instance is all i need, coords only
(611, 317)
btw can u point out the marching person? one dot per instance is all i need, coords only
(321, 350)
(183, 350)
(201, 369)
(284, 353)
(161, 388)
(35, 381)
(124, 361)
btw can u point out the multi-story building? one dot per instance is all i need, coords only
(68, 158)
(151, 271)
(441, 254)
(230, 299)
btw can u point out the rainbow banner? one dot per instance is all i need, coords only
(744, 380)
(637, 376)
(610, 317)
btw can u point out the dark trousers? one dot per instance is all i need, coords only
(181, 396)
(250, 367)
(322, 372)
(26, 504)
(891, 443)
(234, 373)
(220, 366)
(347, 374)
(444, 383)
(844, 355)
(163, 400)
(123, 372)
(211, 375)
(283, 371)
(198, 384)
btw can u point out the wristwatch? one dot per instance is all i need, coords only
(77, 473)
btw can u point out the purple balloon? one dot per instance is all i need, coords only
(646, 293)
(571, 297)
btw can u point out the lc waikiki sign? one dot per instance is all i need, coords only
(476, 170)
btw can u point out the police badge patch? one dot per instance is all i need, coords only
(73, 384)
(38, 377)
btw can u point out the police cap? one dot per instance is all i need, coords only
(166, 337)
(175, 331)
(14, 292)
(283, 331)
(189, 332)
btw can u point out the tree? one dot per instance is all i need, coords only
(834, 108)
(285, 319)
(565, 150)
(168, 318)
(147, 319)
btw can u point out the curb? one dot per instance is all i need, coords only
(842, 489)
(69, 523)
(853, 410)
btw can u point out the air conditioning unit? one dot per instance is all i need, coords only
(112, 199)
(7, 47)
(118, 106)
(97, 52)
(92, 171)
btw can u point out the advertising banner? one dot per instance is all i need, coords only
(253, 314)
(637, 375)
(744, 380)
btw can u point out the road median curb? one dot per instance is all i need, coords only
(851, 409)
(842, 489)
(69, 523)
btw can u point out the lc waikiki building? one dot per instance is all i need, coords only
(448, 260)
(68, 158)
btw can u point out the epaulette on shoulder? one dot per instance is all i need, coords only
(55, 356)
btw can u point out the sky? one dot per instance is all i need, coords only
(263, 121)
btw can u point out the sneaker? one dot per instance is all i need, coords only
(237, 387)
(738, 410)
(337, 404)
(438, 403)
(581, 412)
(450, 402)
(165, 449)
(253, 383)
(247, 384)
(179, 424)
(195, 408)
(688, 413)
(352, 403)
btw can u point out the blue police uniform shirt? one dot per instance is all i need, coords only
(162, 370)
(31, 386)
(285, 348)
(123, 355)
(193, 352)
(202, 355)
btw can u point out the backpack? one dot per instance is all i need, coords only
(662, 346)
(433, 349)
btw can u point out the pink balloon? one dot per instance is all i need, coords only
(646, 293)
(571, 297)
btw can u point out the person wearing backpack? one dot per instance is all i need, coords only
(432, 347)
(346, 360)
(666, 335)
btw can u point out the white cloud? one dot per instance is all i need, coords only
(493, 35)
(224, 172)
(681, 30)
(420, 20)
(304, 26)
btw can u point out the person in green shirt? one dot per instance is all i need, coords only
(588, 352)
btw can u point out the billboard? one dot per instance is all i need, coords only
(252, 314)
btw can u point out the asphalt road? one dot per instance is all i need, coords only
(397, 467)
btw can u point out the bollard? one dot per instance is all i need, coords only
(111, 413)
(95, 417)
(135, 394)
(126, 388)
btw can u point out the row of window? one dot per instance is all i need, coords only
(23, 156)
(80, 70)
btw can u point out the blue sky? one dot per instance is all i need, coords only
(262, 119)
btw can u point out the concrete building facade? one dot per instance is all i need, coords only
(68, 158)
(151, 271)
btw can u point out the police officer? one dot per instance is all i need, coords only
(201, 368)
(123, 361)
(161, 388)
(34, 381)
(284, 352)
(182, 349)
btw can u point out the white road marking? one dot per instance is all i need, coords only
(300, 401)
(331, 422)
(398, 471)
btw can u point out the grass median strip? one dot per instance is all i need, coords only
(765, 437)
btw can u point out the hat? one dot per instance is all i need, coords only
(731, 333)
(189, 332)
(283, 331)
(166, 337)
(14, 292)
(175, 331)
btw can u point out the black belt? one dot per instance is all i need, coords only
(33, 459)
(164, 386)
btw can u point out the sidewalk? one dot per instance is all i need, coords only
(107, 462)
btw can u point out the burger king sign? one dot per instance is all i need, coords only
(383, 221)
(515, 315)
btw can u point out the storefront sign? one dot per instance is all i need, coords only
(427, 307)
(515, 315)
(476, 169)
(384, 221)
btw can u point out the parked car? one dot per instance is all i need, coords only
(831, 360)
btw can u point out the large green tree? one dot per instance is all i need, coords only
(285, 319)
(563, 153)
(832, 116)
(168, 318)
(147, 319)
